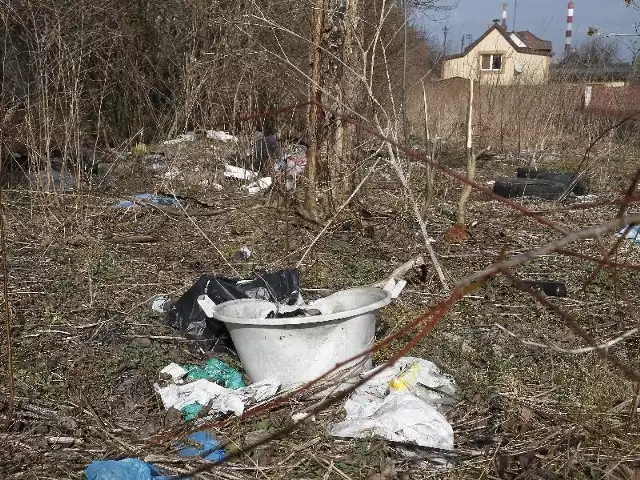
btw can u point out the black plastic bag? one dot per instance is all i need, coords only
(186, 315)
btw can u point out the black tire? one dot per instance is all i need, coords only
(525, 187)
(580, 188)
(551, 289)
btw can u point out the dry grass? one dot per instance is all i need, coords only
(80, 307)
(537, 118)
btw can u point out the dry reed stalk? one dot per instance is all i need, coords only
(7, 309)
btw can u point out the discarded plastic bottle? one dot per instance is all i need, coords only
(406, 380)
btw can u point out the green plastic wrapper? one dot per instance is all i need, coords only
(191, 412)
(216, 371)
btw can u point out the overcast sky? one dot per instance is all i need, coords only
(545, 18)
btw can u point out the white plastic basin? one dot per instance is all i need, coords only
(299, 349)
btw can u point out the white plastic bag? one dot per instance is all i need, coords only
(399, 408)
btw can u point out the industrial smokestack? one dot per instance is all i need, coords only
(504, 16)
(567, 40)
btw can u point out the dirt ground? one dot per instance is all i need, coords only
(87, 348)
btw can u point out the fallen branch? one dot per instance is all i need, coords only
(132, 239)
(630, 372)
(181, 211)
(402, 270)
(168, 338)
(575, 351)
(548, 248)
(197, 213)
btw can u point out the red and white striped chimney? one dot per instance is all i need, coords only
(504, 15)
(567, 40)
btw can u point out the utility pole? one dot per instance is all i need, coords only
(515, 12)
(466, 37)
(445, 33)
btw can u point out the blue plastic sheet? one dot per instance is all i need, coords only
(633, 234)
(162, 200)
(202, 444)
(126, 469)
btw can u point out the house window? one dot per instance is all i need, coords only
(492, 62)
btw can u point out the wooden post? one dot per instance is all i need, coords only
(471, 161)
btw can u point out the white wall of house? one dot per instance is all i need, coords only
(534, 68)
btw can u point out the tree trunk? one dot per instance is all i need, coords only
(315, 114)
(331, 167)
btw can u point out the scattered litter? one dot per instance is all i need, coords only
(259, 185)
(125, 469)
(161, 200)
(160, 303)
(221, 136)
(401, 404)
(256, 185)
(60, 440)
(199, 444)
(200, 393)
(293, 164)
(185, 137)
(186, 315)
(204, 387)
(633, 234)
(179, 396)
(298, 417)
(174, 372)
(231, 171)
(202, 444)
(590, 197)
(244, 253)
